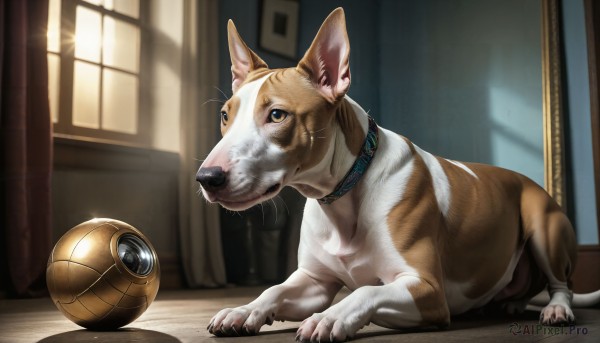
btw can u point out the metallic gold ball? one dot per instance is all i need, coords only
(103, 274)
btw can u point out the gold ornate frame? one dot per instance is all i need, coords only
(554, 154)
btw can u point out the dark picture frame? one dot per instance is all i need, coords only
(278, 31)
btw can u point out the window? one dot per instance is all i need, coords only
(95, 67)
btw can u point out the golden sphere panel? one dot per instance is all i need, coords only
(103, 274)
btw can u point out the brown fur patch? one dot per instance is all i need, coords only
(474, 243)
(431, 302)
(490, 217)
(483, 225)
(350, 125)
(557, 239)
(257, 74)
(416, 226)
(306, 133)
(230, 107)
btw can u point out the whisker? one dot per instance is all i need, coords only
(213, 100)
(201, 160)
(283, 202)
(262, 209)
(275, 205)
(256, 178)
(224, 95)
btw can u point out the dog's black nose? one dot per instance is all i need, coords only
(212, 178)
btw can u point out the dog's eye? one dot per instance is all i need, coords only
(224, 117)
(277, 116)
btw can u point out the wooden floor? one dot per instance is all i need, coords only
(182, 316)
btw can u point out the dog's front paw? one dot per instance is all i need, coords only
(556, 315)
(239, 321)
(324, 327)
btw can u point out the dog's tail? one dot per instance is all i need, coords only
(579, 299)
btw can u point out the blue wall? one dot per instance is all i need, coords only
(464, 79)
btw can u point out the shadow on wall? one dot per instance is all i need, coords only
(463, 79)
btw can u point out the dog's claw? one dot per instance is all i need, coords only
(300, 339)
(247, 331)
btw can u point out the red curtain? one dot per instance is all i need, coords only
(25, 147)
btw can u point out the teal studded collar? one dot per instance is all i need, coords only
(360, 166)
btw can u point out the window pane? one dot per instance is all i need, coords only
(53, 84)
(127, 7)
(86, 93)
(54, 26)
(88, 36)
(121, 44)
(119, 101)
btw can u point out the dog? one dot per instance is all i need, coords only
(417, 238)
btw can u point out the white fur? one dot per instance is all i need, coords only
(441, 186)
(463, 167)
(247, 152)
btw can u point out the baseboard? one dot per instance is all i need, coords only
(586, 277)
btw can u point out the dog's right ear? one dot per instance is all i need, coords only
(243, 60)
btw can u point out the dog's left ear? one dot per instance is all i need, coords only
(327, 60)
(243, 60)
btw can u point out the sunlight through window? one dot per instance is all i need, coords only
(88, 35)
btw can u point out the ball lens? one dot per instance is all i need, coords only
(135, 254)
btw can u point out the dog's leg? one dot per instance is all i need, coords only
(551, 250)
(295, 299)
(553, 247)
(395, 305)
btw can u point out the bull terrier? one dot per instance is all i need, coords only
(415, 237)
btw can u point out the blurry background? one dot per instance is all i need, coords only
(134, 89)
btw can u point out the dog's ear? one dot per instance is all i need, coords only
(327, 60)
(243, 60)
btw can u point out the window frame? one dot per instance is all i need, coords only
(64, 127)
